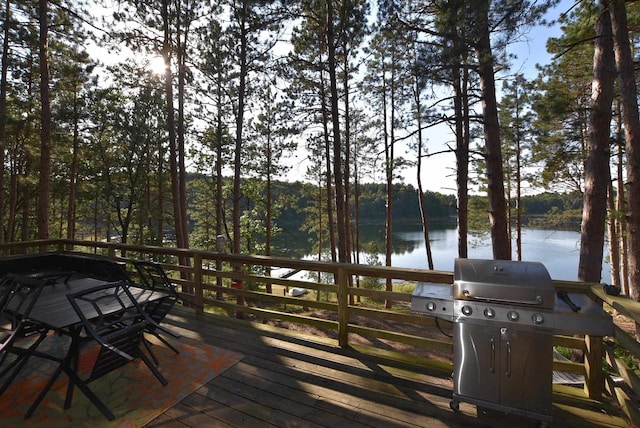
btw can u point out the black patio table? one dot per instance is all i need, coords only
(54, 311)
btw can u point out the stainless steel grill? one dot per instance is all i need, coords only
(504, 316)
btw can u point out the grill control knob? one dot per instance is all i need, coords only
(466, 310)
(489, 313)
(431, 306)
(513, 316)
(538, 318)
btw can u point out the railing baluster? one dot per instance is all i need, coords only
(343, 307)
(198, 298)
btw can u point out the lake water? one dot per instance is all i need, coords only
(558, 250)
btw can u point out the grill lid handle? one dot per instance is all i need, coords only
(537, 301)
(564, 296)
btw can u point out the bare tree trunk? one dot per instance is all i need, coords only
(328, 175)
(337, 145)
(347, 163)
(239, 126)
(518, 184)
(3, 114)
(269, 213)
(220, 242)
(356, 204)
(389, 144)
(45, 131)
(171, 127)
(421, 202)
(461, 106)
(181, 37)
(622, 230)
(614, 239)
(597, 174)
(629, 95)
(495, 176)
(73, 174)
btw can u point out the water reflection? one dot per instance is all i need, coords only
(558, 250)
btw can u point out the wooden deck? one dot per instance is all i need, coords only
(289, 380)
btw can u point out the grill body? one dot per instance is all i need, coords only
(502, 349)
(504, 316)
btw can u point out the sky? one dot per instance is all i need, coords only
(439, 170)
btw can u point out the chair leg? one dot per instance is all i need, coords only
(153, 368)
(73, 378)
(44, 391)
(22, 356)
(147, 346)
(166, 342)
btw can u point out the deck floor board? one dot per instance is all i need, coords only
(288, 380)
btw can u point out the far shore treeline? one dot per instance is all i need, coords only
(542, 210)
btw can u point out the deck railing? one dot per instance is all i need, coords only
(341, 300)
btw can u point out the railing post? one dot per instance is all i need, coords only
(198, 289)
(594, 374)
(343, 306)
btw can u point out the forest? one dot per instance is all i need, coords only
(169, 123)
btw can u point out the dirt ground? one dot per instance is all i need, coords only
(443, 334)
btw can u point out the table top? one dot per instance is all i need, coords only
(53, 308)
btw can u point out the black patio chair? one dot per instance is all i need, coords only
(153, 277)
(113, 318)
(19, 337)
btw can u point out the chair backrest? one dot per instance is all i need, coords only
(7, 284)
(154, 277)
(111, 315)
(19, 295)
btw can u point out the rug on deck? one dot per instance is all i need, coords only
(132, 392)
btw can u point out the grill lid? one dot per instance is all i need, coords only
(503, 282)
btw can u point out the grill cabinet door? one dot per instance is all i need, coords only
(476, 361)
(527, 366)
(508, 367)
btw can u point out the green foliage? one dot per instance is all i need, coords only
(371, 258)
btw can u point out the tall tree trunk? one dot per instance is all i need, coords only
(622, 227)
(328, 174)
(597, 173)
(269, 219)
(615, 229)
(629, 95)
(237, 162)
(337, 145)
(3, 114)
(614, 239)
(182, 170)
(171, 127)
(461, 107)
(495, 177)
(73, 173)
(421, 202)
(220, 239)
(45, 131)
(389, 144)
(347, 161)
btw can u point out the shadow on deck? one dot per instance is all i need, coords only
(287, 379)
